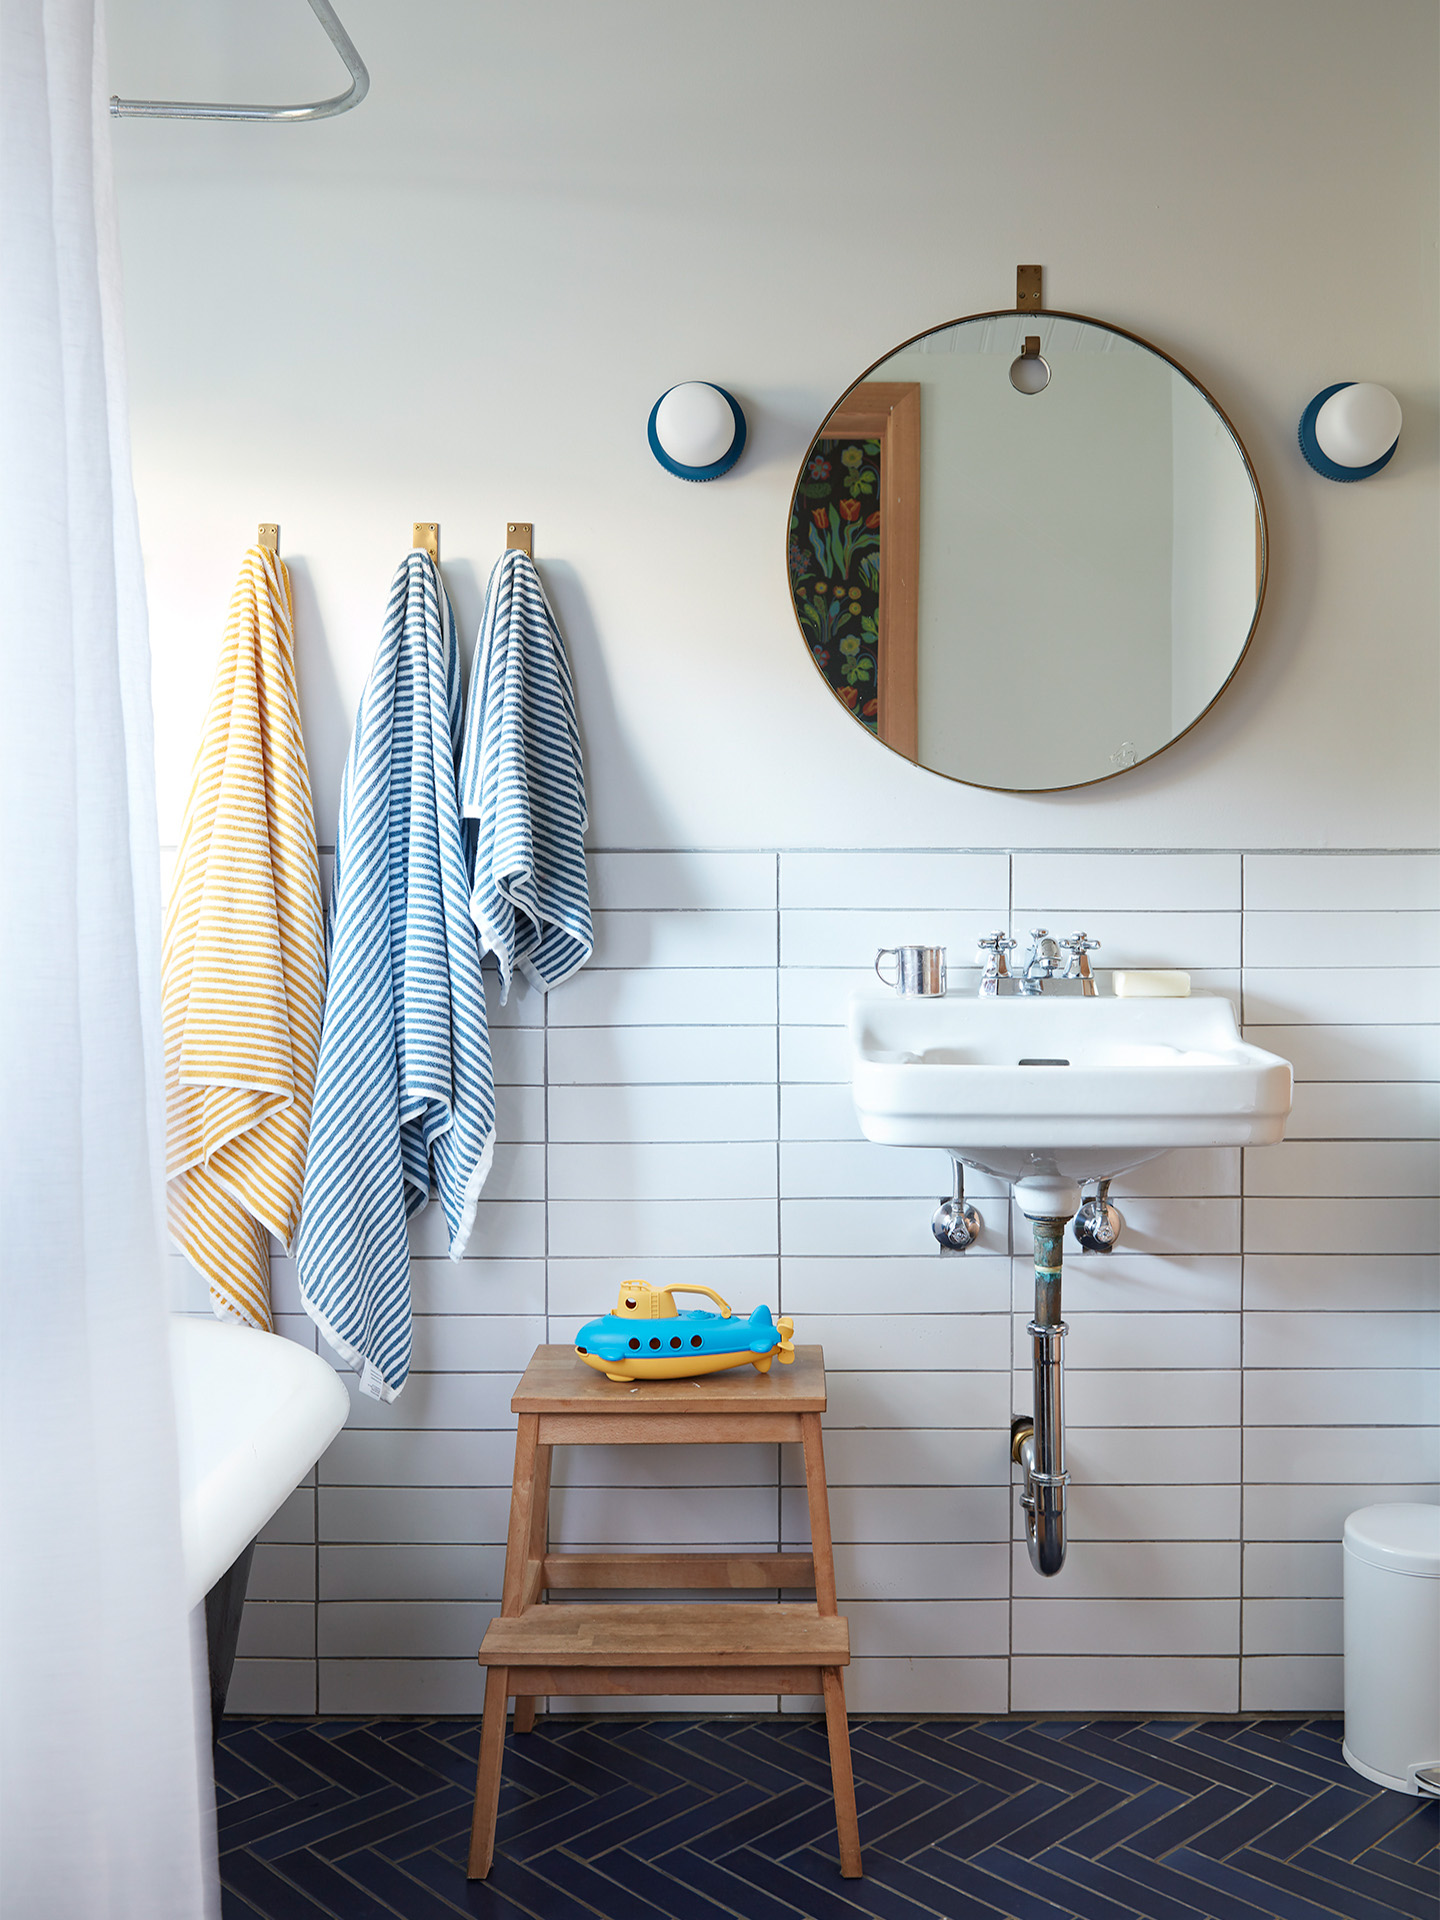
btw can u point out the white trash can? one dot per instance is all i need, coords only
(1392, 1646)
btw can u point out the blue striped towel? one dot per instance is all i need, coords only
(522, 787)
(405, 1089)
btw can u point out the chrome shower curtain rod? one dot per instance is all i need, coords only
(310, 110)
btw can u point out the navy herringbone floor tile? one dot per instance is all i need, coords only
(1109, 1879)
(1275, 1898)
(1316, 1879)
(1003, 1895)
(824, 1896)
(752, 1899)
(923, 1814)
(1178, 1827)
(691, 1829)
(754, 1827)
(322, 1756)
(996, 1824)
(589, 1889)
(1418, 1837)
(1054, 1827)
(267, 1891)
(1243, 1827)
(264, 1830)
(1127, 1824)
(388, 1829)
(1073, 1763)
(332, 1890)
(390, 1761)
(734, 1820)
(669, 1887)
(1356, 1878)
(1165, 1877)
(902, 1876)
(1045, 1883)
(1316, 1819)
(877, 1898)
(331, 1823)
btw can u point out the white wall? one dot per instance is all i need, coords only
(459, 303)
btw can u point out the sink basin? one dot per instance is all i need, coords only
(1049, 1092)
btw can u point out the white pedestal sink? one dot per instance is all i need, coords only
(1049, 1092)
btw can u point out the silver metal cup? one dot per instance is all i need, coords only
(917, 969)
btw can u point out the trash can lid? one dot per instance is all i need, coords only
(1404, 1537)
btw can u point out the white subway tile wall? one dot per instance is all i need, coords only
(1257, 1360)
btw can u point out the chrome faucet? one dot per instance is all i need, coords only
(1042, 963)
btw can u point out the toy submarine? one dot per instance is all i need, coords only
(647, 1337)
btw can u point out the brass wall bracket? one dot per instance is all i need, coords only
(1031, 348)
(521, 534)
(1029, 291)
(268, 535)
(426, 534)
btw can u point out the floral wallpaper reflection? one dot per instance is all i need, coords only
(835, 568)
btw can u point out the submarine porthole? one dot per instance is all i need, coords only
(676, 1341)
(580, 1349)
(634, 1343)
(695, 1340)
(654, 1343)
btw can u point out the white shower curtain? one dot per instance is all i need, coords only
(104, 1778)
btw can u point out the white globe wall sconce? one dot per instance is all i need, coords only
(697, 431)
(1349, 431)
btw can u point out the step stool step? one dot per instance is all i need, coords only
(657, 1634)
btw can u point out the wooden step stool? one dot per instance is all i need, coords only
(647, 1647)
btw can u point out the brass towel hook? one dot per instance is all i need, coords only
(268, 536)
(521, 534)
(426, 534)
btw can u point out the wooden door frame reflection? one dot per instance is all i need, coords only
(889, 411)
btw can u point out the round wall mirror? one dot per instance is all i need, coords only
(1027, 550)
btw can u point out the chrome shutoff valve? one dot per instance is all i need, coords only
(956, 1225)
(1097, 1225)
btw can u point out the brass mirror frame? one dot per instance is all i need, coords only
(909, 539)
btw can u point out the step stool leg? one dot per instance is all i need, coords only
(819, 1502)
(533, 1560)
(842, 1778)
(487, 1773)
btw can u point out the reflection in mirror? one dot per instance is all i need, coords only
(1026, 550)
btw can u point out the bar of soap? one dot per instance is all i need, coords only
(1160, 983)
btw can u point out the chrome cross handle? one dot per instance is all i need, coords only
(1077, 967)
(995, 947)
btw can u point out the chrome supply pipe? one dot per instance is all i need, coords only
(1039, 1443)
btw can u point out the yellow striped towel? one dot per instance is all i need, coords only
(243, 965)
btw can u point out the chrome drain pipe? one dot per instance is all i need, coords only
(1039, 1443)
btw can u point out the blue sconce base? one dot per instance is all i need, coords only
(716, 467)
(1321, 461)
